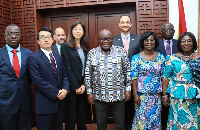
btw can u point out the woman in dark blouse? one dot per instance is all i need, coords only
(74, 54)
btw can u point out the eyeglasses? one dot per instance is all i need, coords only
(149, 40)
(105, 39)
(125, 22)
(43, 37)
(78, 29)
(13, 33)
(186, 41)
(167, 29)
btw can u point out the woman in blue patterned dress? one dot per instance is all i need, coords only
(182, 81)
(147, 70)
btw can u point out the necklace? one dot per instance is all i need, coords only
(148, 55)
(187, 56)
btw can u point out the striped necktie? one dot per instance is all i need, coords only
(53, 64)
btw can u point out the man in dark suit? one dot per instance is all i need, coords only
(133, 40)
(60, 37)
(51, 83)
(15, 82)
(167, 45)
(131, 44)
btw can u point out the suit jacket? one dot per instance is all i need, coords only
(134, 46)
(46, 84)
(73, 66)
(161, 47)
(14, 92)
(54, 49)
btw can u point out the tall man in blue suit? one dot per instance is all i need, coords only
(60, 37)
(130, 42)
(51, 83)
(167, 46)
(15, 91)
(126, 39)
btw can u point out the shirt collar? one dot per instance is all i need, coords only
(10, 48)
(58, 46)
(167, 40)
(46, 52)
(123, 36)
(111, 50)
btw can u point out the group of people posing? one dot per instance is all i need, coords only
(147, 83)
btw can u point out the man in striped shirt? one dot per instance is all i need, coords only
(108, 80)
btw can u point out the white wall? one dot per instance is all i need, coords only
(191, 14)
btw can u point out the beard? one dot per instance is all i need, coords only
(125, 30)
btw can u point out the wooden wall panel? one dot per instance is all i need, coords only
(151, 14)
(23, 14)
(109, 19)
(5, 18)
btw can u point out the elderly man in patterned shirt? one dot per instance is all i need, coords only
(108, 81)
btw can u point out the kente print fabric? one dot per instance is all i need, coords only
(184, 90)
(149, 86)
(107, 75)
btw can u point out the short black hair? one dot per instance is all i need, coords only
(194, 41)
(145, 35)
(125, 15)
(44, 29)
(12, 25)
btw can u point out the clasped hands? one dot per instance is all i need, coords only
(165, 100)
(62, 94)
(80, 90)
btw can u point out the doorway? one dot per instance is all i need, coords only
(95, 18)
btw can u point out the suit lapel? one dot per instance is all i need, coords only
(120, 42)
(162, 48)
(23, 60)
(76, 53)
(174, 46)
(58, 66)
(46, 60)
(6, 58)
(55, 49)
(131, 44)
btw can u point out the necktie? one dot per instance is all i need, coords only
(15, 60)
(53, 64)
(168, 48)
(126, 44)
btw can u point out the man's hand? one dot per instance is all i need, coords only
(90, 98)
(137, 99)
(127, 95)
(62, 94)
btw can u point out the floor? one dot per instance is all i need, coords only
(90, 127)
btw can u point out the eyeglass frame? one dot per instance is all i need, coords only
(43, 37)
(104, 39)
(13, 34)
(167, 29)
(187, 41)
(151, 40)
